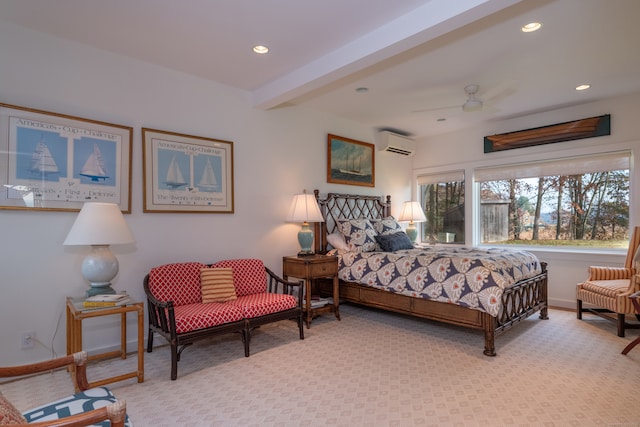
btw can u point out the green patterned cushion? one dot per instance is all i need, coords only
(78, 403)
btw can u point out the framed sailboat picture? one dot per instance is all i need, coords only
(184, 173)
(51, 161)
(350, 162)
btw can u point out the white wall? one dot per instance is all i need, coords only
(277, 153)
(566, 268)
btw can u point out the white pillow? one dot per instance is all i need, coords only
(337, 241)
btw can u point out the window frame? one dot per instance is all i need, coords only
(433, 166)
(574, 165)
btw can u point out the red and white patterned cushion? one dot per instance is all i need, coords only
(257, 305)
(249, 276)
(179, 282)
(191, 317)
(9, 414)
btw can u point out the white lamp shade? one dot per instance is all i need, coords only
(304, 208)
(99, 224)
(412, 212)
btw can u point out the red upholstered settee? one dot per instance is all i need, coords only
(177, 311)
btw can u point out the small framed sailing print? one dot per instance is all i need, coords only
(184, 173)
(51, 161)
(350, 162)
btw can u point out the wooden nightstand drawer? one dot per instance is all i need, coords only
(323, 269)
(311, 267)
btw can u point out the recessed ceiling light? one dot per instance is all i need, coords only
(531, 27)
(583, 87)
(362, 89)
(260, 49)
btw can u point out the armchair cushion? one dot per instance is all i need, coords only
(607, 288)
(217, 285)
(9, 414)
(75, 404)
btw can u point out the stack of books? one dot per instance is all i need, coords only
(317, 302)
(111, 300)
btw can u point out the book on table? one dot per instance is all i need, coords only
(110, 300)
(317, 302)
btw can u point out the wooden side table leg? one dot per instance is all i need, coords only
(123, 335)
(140, 313)
(632, 344)
(307, 297)
(336, 297)
(635, 300)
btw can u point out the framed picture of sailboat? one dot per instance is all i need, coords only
(51, 161)
(350, 162)
(184, 173)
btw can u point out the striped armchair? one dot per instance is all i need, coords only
(607, 289)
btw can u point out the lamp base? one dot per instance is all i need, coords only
(412, 232)
(306, 253)
(305, 238)
(99, 268)
(100, 290)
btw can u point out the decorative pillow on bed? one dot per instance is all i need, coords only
(387, 225)
(394, 242)
(359, 234)
(217, 285)
(336, 240)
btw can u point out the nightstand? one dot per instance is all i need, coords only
(310, 268)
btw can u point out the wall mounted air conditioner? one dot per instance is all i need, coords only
(395, 143)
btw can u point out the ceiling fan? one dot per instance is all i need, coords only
(473, 102)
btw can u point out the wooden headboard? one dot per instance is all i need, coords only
(350, 206)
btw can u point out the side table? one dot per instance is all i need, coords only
(310, 268)
(76, 313)
(635, 300)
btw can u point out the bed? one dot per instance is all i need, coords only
(504, 286)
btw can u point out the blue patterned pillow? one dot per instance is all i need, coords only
(359, 234)
(394, 242)
(387, 225)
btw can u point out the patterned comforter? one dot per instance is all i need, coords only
(470, 277)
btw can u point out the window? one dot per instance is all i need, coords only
(442, 198)
(580, 201)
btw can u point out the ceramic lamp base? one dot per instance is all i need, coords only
(100, 290)
(412, 232)
(305, 239)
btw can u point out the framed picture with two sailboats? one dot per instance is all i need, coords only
(350, 162)
(185, 173)
(52, 161)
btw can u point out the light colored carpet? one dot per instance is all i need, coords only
(381, 369)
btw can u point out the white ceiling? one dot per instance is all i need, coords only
(411, 54)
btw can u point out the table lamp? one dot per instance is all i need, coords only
(99, 225)
(304, 208)
(412, 212)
